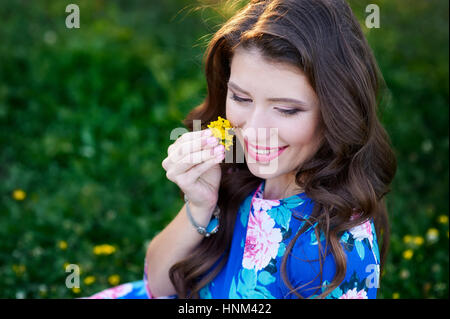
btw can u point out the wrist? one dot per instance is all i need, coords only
(201, 210)
(204, 220)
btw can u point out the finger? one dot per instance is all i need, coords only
(196, 171)
(192, 146)
(196, 158)
(189, 136)
(204, 142)
(180, 149)
(174, 148)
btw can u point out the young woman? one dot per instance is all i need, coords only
(301, 215)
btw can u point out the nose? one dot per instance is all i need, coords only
(258, 128)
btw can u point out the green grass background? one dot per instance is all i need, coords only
(85, 117)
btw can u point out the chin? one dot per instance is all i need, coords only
(264, 171)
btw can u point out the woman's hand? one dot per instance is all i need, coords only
(193, 164)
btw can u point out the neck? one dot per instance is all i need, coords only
(280, 187)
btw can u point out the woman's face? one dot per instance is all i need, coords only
(255, 106)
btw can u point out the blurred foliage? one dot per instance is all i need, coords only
(85, 116)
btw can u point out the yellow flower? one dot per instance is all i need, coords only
(221, 129)
(443, 219)
(432, 235)
(104, 249)
(407, 254)
(395, 295)
(19, 269)
(418, 240)
(114, 279)
(62, 245)
(19, 194)
(407, 239)
(76, 290)
(89, 280)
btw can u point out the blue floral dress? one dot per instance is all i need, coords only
(262, 231)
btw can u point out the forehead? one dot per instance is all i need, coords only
(255, 74)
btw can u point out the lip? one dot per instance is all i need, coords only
(264, 158)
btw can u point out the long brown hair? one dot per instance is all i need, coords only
(354, 166)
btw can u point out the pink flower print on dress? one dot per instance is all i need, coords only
(362, 231)
(262, 242)
(260, 204)
(354, 294)
(114, 292)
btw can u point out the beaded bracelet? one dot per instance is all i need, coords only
(213, 225)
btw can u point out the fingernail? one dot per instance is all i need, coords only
(218, 149)
(220, 157)
(212, 140)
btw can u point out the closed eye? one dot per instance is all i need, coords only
(289, 112)
(239, 99)
(283, 111)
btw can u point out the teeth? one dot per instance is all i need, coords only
(261, 152)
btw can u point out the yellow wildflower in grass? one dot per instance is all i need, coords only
(432, 235)
(418, 240)
(221, 129)
(89, 280)
(395, 295)
(443, 219)
(407, 254)
(104, 249)
(407, 239)
(76, 290)
(19, 194)
(62, 244)
(114, 280)
(19, 269)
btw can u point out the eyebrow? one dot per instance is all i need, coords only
(273, 99)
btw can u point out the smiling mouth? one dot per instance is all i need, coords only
(263, 153)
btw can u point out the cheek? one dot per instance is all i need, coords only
(233, 115)
(302, 134)
(236, 119)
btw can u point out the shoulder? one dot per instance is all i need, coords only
(363, 263)
(361, 239)
(357, 240)
(359, 244)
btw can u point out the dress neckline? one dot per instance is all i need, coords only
(260, 192)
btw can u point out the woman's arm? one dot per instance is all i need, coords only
(199, 181)
(171, 245)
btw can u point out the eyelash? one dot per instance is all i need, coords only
(283, 112)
